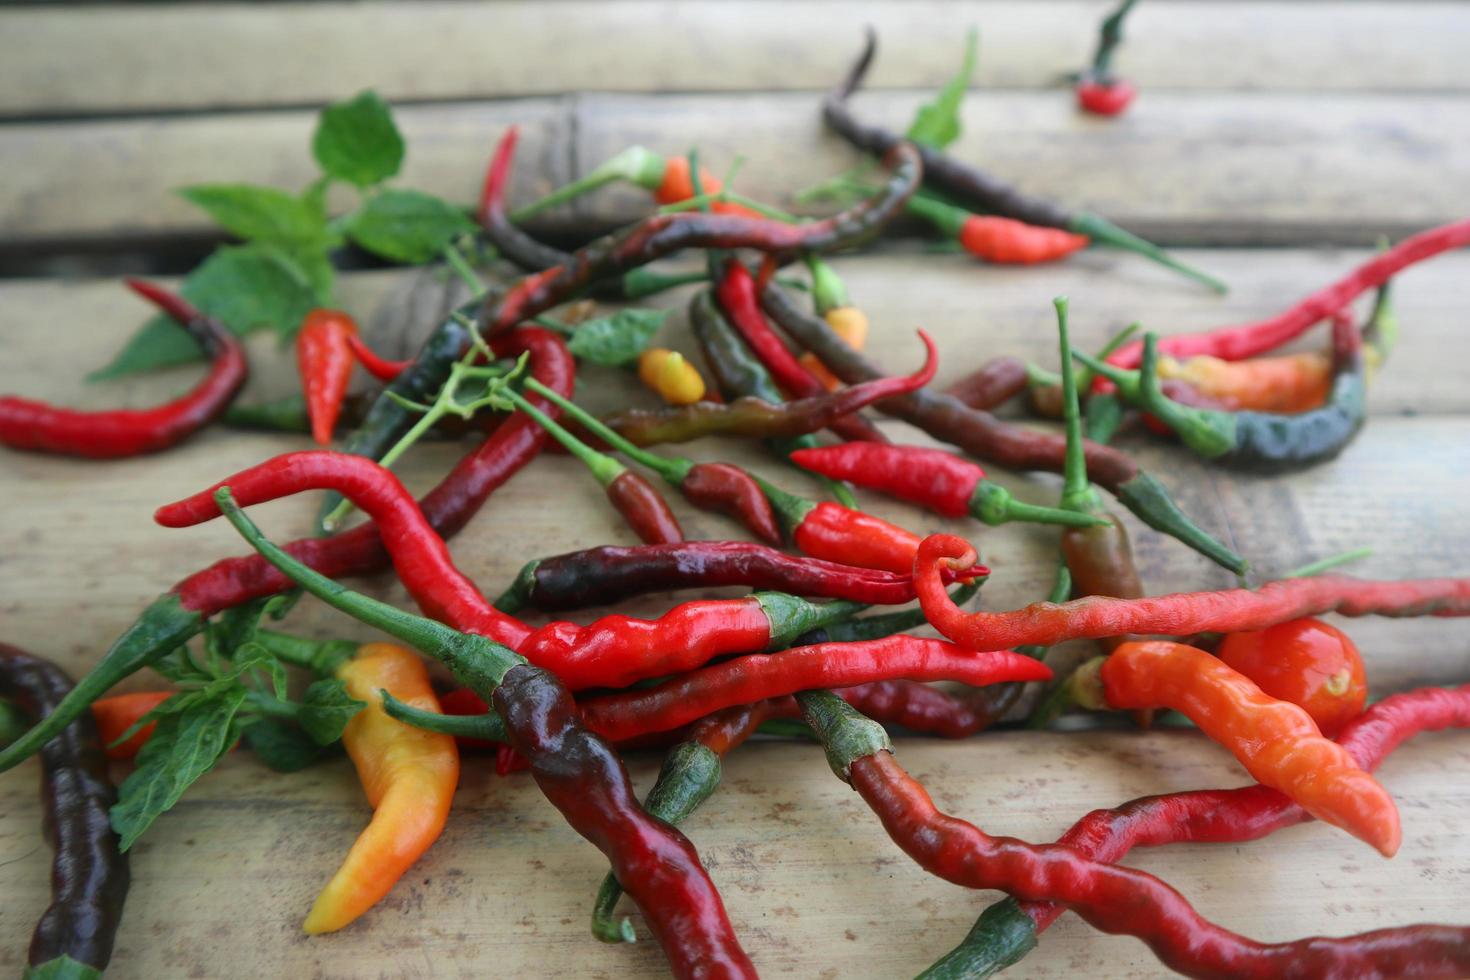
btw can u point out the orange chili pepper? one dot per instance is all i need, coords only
(409, 776)
(324, 357)
(669, 374)
(1276, 741)
(120, 712)
(847, 322)
(1285, 383)
(677, 186)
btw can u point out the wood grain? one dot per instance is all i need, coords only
(1184, 168)
(142, 57)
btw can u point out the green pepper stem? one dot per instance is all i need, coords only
(1151, 503)
(1109, 34)
(322, 657)
(1329, 563)
(1002, 936)
(635, 165)
(643, 281)
(673, 469)
(462, 268)
(514, 599)
(845, 733)
(1076, 492)
(1100, 228)
(487, 727)
(949, 219)
(476, 660)
(993, 504)
(829, 292)
(603, 467)
(791, 616)
(790, 509)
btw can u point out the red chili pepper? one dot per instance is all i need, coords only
(739, 299)
(116, 714)
(677, 186)
(38, 427)
(838, 533)
(1108, 98)
(379, 367)
(1307, 662)
(748, 679)
(1237, 343)
(1276, 741)
(1004, 241)
(1180, 614)
(180, 613)
(721, 486)
(933, 479)
(324, 358)
(1113, 899)
(644, 508)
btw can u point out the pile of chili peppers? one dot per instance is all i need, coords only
(802, 655)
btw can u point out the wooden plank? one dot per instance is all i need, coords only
(182, 56)
(1185, 169)
(812, 885)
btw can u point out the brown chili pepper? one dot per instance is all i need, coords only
(89, 875)
(993, 384)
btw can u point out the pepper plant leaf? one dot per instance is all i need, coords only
(183, 747)
(407, 226)
(937, 123)
(357, 141)
(326, 709)
(613, 341)
(255, 213)
(282, 746)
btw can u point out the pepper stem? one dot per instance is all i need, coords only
(603, 467)
(949, 219)
(845, 733)
(673, 469)
(478, 662)
(1208, 432)
(1329, 563)
(487, 727)
(514, 599)
(643, 281)
(1077, 494)
(829, 292)
(791, 616)
(1109, 34)
(321, 657)
(790, 509)
(636, 165)
(1100, 228)
(993, 504)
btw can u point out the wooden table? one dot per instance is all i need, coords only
(1272, 144)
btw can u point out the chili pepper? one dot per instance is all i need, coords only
(1008, 929)
(754, 416)
(983, 192)
(829, 295)
(1236, 343)
(1111, 898)
(738, 298)
(324, 358)
(667, 374)
(172, 618)
(614, 651)
(739, 374)
(608, 574)
(529, 253)
(689, 775)
(645, 510)
(89, 875)
(1276, 741)
(1098, 90)
(716, 486)
(932, 478)
(1180, 614)
(379, 367)
(409, 777)
(113, 434)
(1285, 383)
(577, 771)
(993, 384)
(1004, 241)
(982, 435)
(115, 715)
(744, 680)
(1307, 662)
(1259, 441)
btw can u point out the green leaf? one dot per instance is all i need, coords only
(178, 666)
(616, 340)
(326, 709)
(356, 141)
(282, 746)
(249, 287)
(937, 123)
(184, 746)
(407, 226)
(260, 213)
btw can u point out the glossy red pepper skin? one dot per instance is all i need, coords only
(1236, 343)
(730, 490)
(644, 508)
(1181, 614)
(837, 533)
(739, 298)
(584, 778)
(1006, 241)
(745, 680)
(382, 368)
(324, 359)
(932, 478)
(1305, 661)
(1105, 98)
(36, 426)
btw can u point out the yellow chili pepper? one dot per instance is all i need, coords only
(849, 323)
(674, 379)
(409, 776)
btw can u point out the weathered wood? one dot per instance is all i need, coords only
(169, 56)
(1184, 168)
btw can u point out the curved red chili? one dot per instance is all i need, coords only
(38, 427)
(727, 488)
(378, 366)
